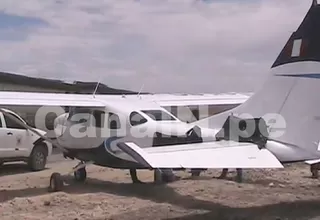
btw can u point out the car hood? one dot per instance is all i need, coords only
(39, 131)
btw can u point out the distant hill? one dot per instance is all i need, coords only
(89, 87)
(17, 82)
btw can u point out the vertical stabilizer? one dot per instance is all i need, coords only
(292, 91)
(302, 46)
(314, 2)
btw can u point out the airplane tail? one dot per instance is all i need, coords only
(292, 91)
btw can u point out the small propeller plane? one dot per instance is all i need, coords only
(94, 124)
(133, 133)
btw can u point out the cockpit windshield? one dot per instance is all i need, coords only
(159, 115)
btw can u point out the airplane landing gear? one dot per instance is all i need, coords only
(196, 172)
(164, 176)
(134, 177)
(57, 180)
(80, 175)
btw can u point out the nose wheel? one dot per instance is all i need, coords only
(57, 180)
(80, 175)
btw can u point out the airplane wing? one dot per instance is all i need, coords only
(166, 100)
(48, 99)
(87, 100)
(222, 154)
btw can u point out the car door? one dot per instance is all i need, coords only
(18, 137)
(6, 147)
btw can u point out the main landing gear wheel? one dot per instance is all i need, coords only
(80, 175)
(164, 176)
(196, 172)
(56, 182)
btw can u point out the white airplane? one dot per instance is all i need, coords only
(129, 114)
(221, 141)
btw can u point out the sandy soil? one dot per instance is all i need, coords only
(108, 194)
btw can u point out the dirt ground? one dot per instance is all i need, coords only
(288, 193)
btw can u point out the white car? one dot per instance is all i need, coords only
(20, 144)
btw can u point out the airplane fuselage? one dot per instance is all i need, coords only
(92, 134)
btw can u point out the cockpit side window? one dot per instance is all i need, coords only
(113, 121)
(98, 118)
(136, 119)
(159, 115)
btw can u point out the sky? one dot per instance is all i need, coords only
(188, 46)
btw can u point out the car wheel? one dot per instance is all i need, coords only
(38, 158)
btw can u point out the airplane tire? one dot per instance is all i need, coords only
(196, 172)
(158, 177)
(80, 175)
(164, 176)
(56, 182)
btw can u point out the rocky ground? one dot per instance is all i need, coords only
(289, 193)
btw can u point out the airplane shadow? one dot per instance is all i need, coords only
(262, 182)
(155, 192)
(298, 210)
(301, 210)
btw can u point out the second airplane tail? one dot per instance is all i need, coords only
(290, 98)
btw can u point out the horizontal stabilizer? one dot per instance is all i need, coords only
(222, 154)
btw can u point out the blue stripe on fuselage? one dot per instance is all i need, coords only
(108, 147)
(307, 75)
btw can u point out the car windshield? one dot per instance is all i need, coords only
(159, 115)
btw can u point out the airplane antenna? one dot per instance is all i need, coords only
(140, 90)
(95, 90)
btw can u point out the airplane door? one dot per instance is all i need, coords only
(18, 141)
(139, 125)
